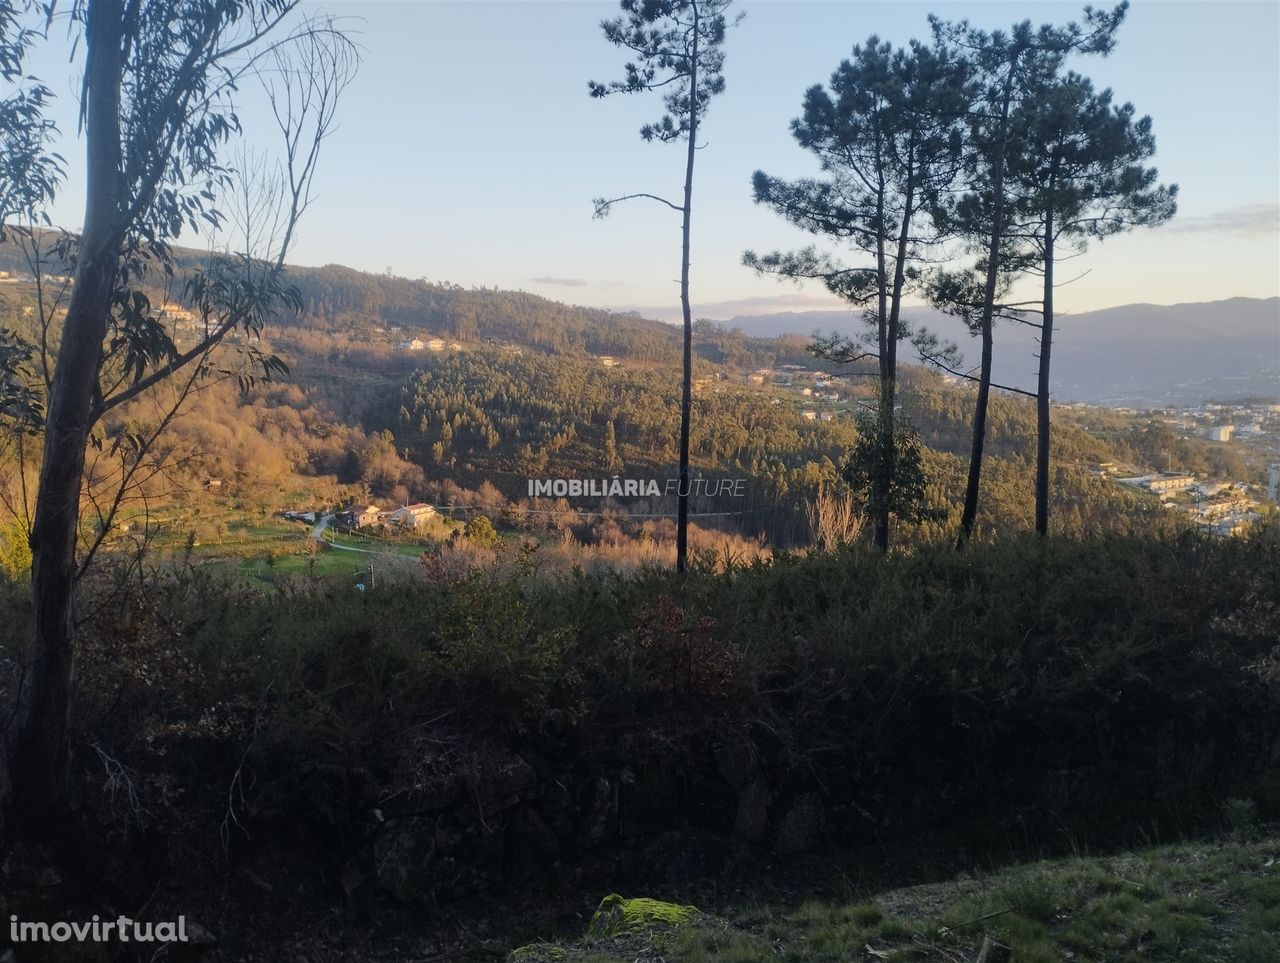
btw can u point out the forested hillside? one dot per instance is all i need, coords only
(521, 393)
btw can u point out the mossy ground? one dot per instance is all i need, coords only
(1200, 902)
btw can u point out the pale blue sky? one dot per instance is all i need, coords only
(469, 150)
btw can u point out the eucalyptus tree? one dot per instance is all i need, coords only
(678, 46)
(888, 137)
(29, 170)
(1012, 68)
(159, 99)
(1078, 166)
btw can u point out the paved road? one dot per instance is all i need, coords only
(318, 532)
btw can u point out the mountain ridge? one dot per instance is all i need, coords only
(1140, 354)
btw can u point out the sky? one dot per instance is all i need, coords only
(468, 150)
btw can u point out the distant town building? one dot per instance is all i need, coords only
(1161, 484)
(1219, 432)
(414, 345)
(809, 414)
(1210, 488)
(1169, 483)
(435, 344)
(609, 361)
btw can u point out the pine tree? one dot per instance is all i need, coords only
(888, 138)
(679, 48)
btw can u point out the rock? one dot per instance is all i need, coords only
(618, 916)
(754, 800)
(802, 828)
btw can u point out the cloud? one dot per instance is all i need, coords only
(561, 282)
(1250, 220)
(723, 310)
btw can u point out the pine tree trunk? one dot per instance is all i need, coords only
(889, 376)
(39, 755)
(1042, 386)
(686, 388)
(884, 412)
(974, 483)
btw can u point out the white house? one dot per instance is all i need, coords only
(412, 516)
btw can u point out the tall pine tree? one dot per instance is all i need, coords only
(678, 47)
(887, 134)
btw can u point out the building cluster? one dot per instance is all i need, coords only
(15, 277)
(435, 345)
(1218, 507)
(810, 387)
(1243, 421)
(406, 517)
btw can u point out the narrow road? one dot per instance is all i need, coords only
(318, 532)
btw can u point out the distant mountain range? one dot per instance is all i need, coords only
(1137, 355)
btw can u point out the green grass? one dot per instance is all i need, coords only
(410, 548)
(1199, 902)
(325, 565)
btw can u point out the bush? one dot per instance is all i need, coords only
(1108, 681)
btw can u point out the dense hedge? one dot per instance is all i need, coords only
(1104, 684)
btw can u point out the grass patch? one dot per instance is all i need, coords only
(1194, 902)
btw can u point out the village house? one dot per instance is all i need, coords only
(361, 516)
(435, 344)
(412, 516)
